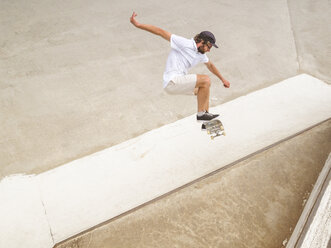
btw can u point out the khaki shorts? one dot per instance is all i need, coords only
(182, 85)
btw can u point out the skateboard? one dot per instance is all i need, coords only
(214, 128)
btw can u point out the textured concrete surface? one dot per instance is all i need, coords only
(255, 203)
(76, 77)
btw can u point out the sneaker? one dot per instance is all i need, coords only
(215, 115)
(206, 117)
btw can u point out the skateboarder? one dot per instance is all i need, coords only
(184, 54)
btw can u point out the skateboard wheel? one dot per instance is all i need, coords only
(224, 133)
(212, 137)
(222, 128)
(208, 132)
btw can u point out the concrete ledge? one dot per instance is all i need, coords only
(23, 219)
(91, 190)
(266, 191)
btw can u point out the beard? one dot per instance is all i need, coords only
(200, 50)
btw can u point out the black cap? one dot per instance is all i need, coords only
(208, 36)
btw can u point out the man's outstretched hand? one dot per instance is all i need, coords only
(226, 84)
(133, 19)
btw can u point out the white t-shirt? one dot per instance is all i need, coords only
(183, 56)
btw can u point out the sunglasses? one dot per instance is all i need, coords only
(208, 44)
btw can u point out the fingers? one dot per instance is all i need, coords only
(132, 18)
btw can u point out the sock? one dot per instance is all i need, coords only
(201, 113)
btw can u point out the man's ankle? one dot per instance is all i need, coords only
(201, 113)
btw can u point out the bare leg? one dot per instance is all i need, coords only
(202, 89)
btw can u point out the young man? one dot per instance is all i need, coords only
(184, 54)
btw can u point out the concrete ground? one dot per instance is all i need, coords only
(76, 78)
(255, 203)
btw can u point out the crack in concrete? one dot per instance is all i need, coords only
(45, 211)
(293, 35)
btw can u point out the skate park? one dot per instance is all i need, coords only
(84, 118)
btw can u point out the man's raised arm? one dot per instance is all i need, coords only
(150, 28)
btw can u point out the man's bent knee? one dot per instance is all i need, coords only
(203, 81)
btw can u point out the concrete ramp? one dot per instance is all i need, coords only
(99, 187)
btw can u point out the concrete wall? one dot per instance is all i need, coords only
(310, 21)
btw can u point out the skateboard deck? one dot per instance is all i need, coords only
(214, 128)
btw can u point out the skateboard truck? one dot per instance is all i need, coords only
(214, 128)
